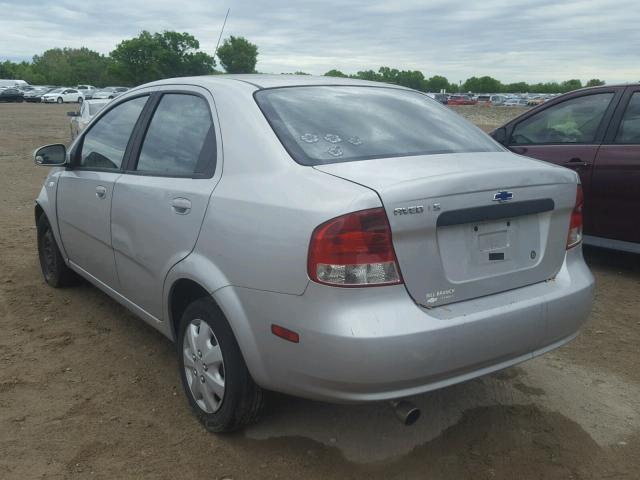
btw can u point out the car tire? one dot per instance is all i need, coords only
(111, 97)
(59, 100)
(80, 99)
(54, 269)
(228, 398)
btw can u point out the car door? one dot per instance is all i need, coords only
(615, 183)
(73, 95)
(568, 133)
(160, 201)
(85, 190)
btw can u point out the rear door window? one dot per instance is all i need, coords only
(573, 121)
(176, 138)
(629, 129)
(329, 124)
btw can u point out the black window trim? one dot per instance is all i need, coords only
(208, 158)
(77, 149)
(616, 120)
(600, 131)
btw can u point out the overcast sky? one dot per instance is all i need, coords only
(532, 40)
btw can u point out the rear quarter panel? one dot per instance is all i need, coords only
(260, 218)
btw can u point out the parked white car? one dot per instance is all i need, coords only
(60, 95)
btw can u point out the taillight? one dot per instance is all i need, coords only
(575, 226)
(354, 250)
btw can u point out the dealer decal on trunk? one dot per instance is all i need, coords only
(433, 297)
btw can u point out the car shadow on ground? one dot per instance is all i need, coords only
(612, 260)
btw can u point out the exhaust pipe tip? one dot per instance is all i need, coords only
(406, 412)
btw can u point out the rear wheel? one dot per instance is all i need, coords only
(59, 100)
(80, 99)
(215, 378)
(54, 270)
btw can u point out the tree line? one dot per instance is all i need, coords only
(154, 56)
(142, 59)
(416, 80)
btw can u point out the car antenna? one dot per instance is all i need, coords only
(221, 30)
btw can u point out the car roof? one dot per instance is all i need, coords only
(261, 81)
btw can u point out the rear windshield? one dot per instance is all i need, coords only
(330, 124)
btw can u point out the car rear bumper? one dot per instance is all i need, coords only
(375, 344)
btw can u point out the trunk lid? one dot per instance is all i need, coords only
(453, 240)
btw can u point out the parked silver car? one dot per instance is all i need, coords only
(108, 92)
(80, 119)
(336, 239)
(87, 90)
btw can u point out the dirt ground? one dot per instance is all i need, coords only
(89, 391)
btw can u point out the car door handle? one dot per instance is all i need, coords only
(181, 206)
(576, 162)
(101, 191)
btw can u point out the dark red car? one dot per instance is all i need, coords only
(461, 100)
(596, 132)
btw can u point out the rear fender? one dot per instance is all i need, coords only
(205, 273)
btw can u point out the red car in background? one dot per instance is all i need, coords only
(596, 132)
(461, 100)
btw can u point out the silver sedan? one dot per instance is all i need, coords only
(336, 239)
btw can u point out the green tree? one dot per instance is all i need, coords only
(368, 75)
(238, 55)
(518, 87)
(548, 87)
(70, 66)
(570, 85)
(438, 83)
(334, 73)
(482, 85)
(595, 82)
(20, 71)
(150, 57)
(410, 79)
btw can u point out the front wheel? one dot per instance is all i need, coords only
(59, 100)
(215, 378)
(80, 100)
(54, 270)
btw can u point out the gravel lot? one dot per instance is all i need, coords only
(89, 391)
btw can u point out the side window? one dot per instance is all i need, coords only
(104, 145)
(176, 136)
(572, 121)
(629, 129)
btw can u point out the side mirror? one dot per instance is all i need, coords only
(51, 155)
(73, 114)
(500, 135)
